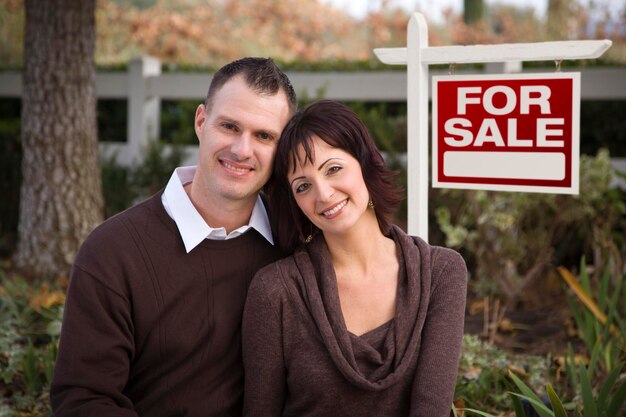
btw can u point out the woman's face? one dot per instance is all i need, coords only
(330, 191)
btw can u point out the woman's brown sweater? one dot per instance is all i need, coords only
(300, 360)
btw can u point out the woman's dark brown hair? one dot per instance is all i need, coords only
(340, 127)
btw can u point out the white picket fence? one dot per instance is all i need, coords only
(144, 86)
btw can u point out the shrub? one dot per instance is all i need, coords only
(122, 185)
(30, 324)
(608, 400)
(482, 379)
(512, 239)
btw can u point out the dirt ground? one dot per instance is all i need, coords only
(541, 323)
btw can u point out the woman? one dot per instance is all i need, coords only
(362, 319)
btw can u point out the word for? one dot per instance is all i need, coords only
(461, 134)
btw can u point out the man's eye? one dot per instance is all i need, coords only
(265, 136)
(229, 126)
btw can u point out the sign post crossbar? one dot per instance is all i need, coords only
(418, 55)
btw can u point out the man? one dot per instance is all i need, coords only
(153, 310)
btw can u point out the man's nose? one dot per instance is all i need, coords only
(242, 146)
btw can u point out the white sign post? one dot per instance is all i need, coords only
(418, 56)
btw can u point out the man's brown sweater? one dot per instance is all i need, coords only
(301, 361)
(149, 329)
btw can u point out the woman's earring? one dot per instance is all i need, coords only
(309, 238)
(370, 204)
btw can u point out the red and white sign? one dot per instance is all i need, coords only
(509, 132)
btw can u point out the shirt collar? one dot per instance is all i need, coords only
(192, 227)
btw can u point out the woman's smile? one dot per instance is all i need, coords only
(334, 212)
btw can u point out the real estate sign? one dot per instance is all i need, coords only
(507, 132)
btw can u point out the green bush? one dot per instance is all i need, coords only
(482, 381)
(599, 311)
(30, 324)
(122, 186)
(596, 387)
(607, 400)
(177, 120)
(511, 239)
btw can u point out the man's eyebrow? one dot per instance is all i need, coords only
(222, 118)
(270, 132)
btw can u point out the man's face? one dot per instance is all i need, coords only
(238, 137)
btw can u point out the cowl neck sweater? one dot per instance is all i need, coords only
(301, 361)
(359, 362)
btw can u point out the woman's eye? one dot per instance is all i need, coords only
(334, 170)
(300, 188)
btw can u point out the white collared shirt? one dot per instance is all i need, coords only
(192, 227)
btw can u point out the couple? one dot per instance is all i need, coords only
(359, 320)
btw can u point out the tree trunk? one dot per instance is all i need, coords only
(61, 195)
(559, 12)
(473, 11)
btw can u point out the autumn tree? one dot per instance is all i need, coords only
(61, 195)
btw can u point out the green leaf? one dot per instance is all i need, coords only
(29, 367)
(606, 388)
(618, 400)
(555, 401)
(570, 366)
(589, 405)
(595, 354)
(517, 406)
(603, 295)
(584, 276)
(537, 404)
(48, 362)
(480, 413)
(528, 393)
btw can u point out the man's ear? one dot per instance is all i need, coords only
(200, 119)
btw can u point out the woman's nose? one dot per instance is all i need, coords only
(325, 191)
